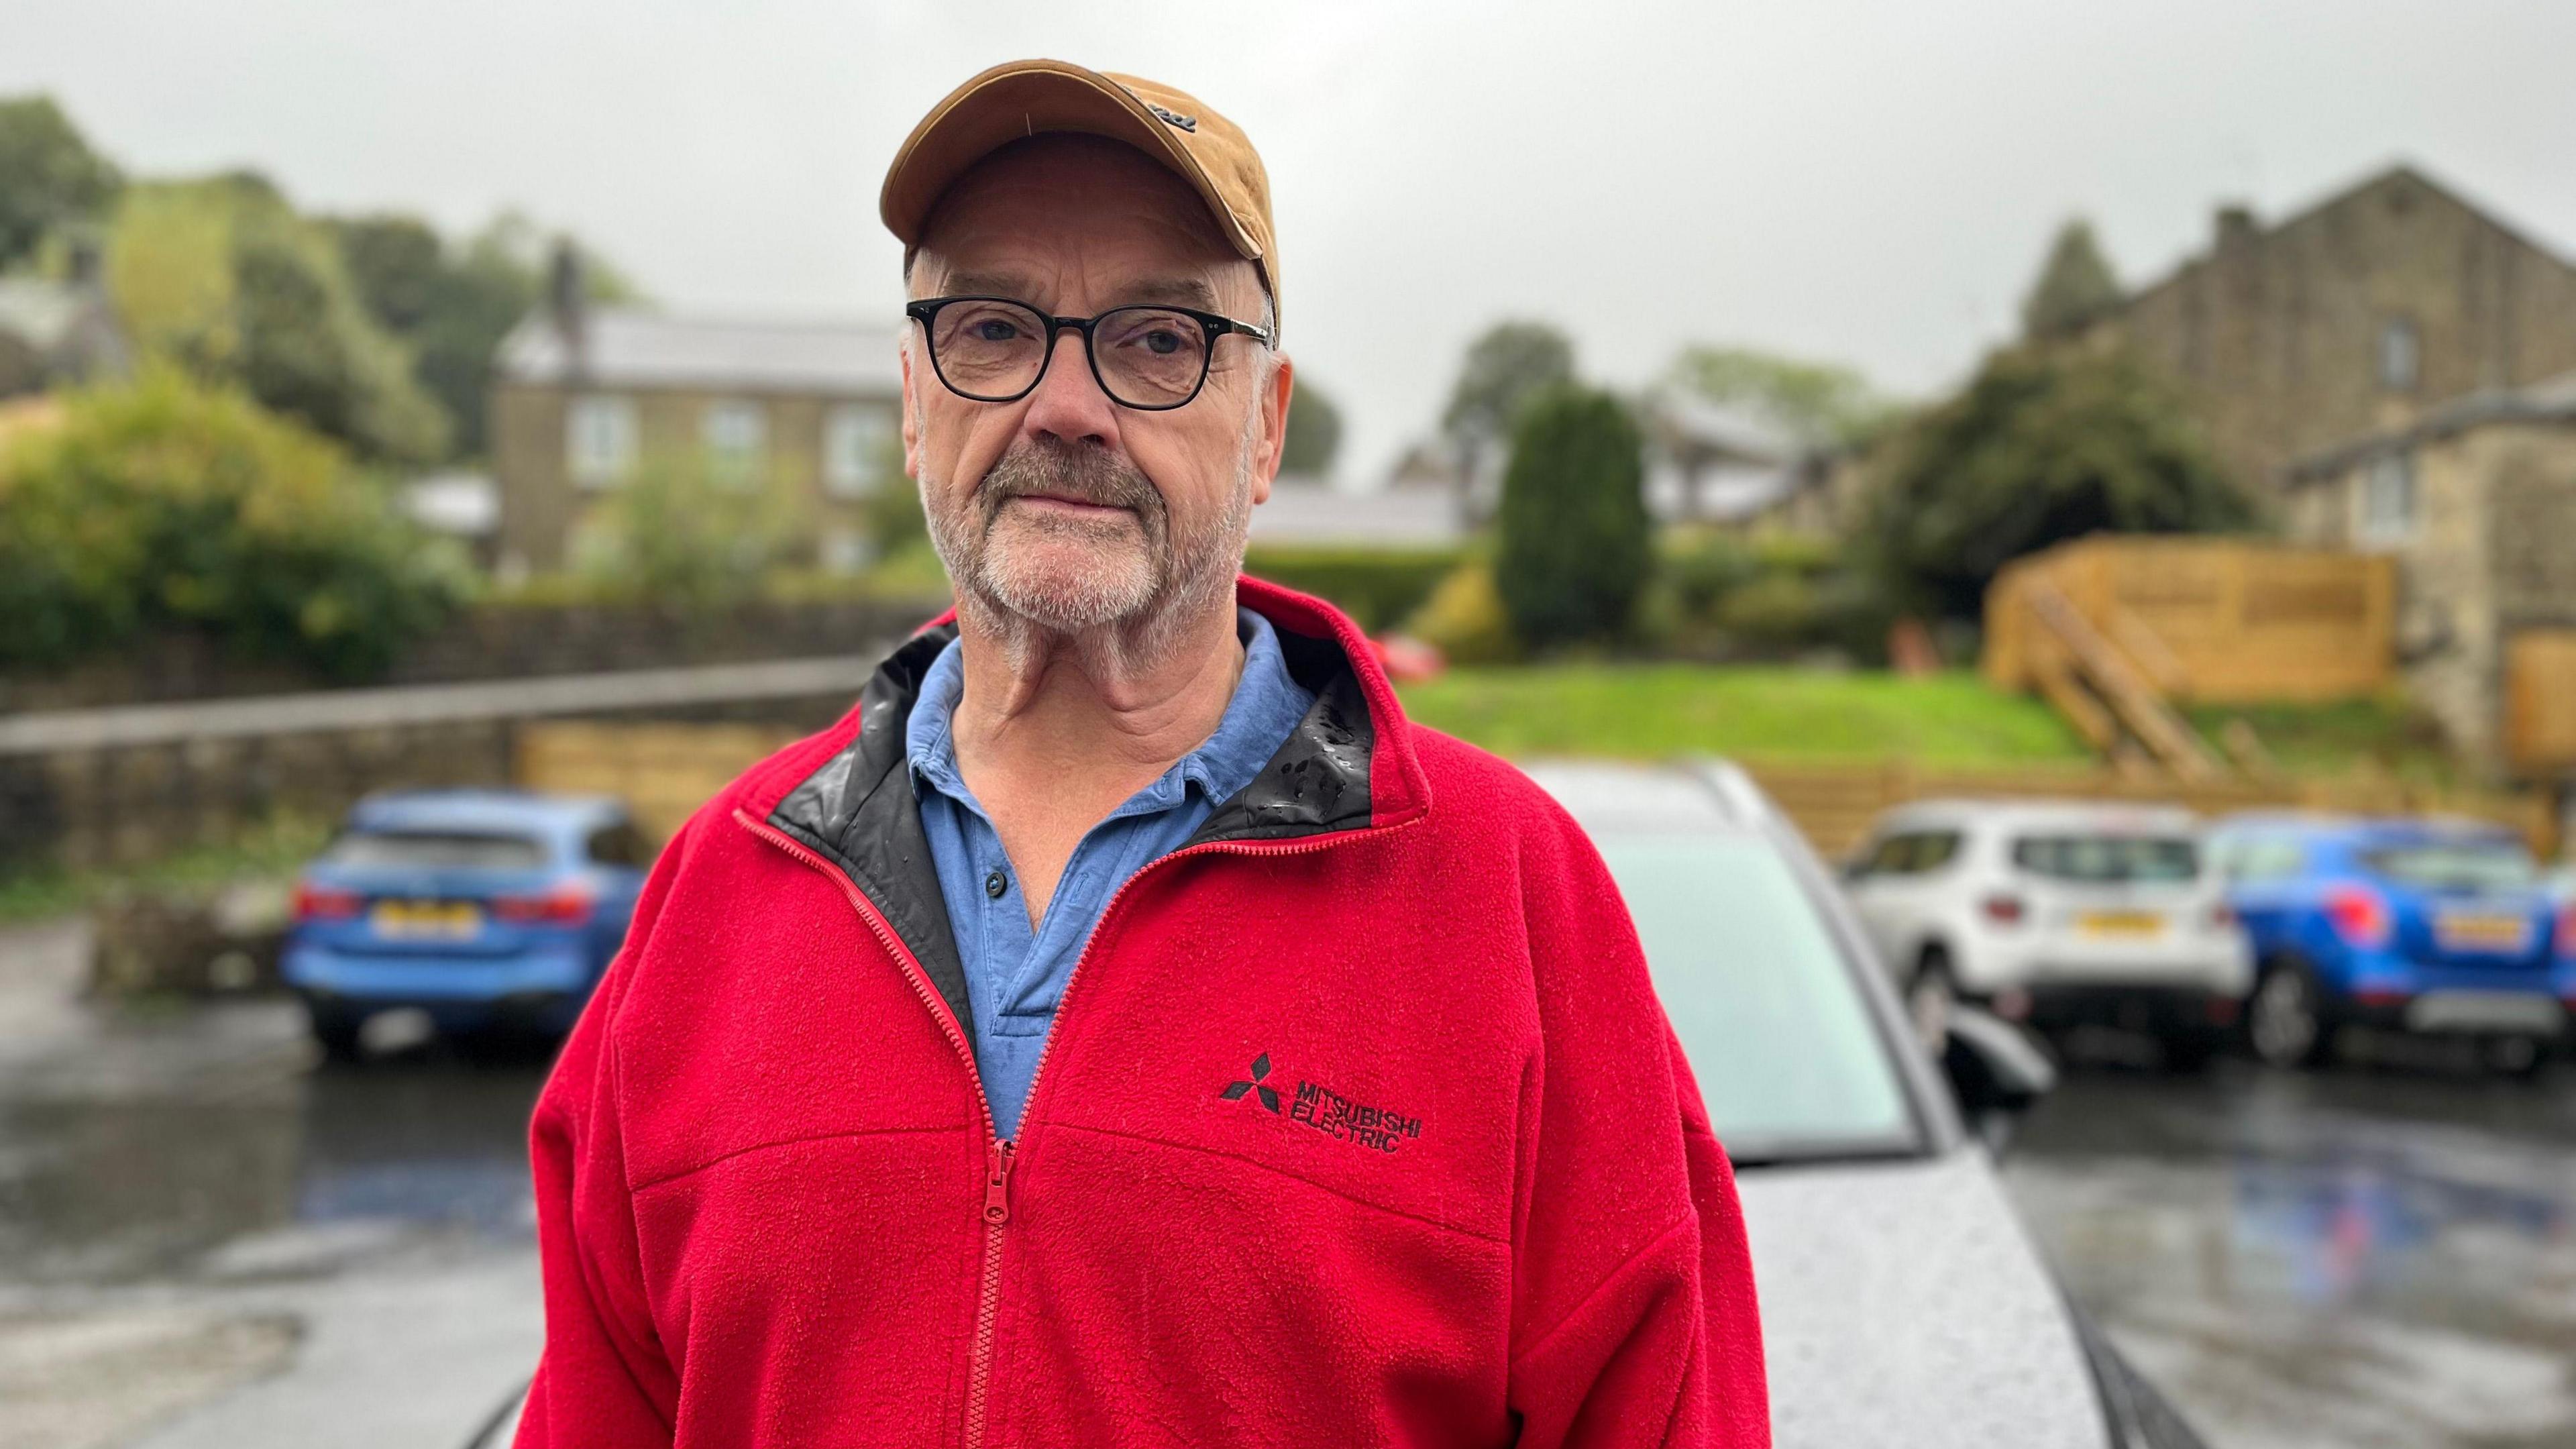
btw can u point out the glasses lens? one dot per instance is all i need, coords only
(1150, 357)
(989, 350)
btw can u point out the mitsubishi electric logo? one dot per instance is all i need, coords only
(1380, 1129)
(1260, 1070)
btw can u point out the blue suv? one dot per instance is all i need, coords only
(490, 910)
(2413, 925)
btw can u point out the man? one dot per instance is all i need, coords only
(1124, 1028)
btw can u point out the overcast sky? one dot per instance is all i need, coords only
(1868, 183)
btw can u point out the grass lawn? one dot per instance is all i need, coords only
(1649, 711)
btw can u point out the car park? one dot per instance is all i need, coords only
(2061, 914)
(1903, 1301)
(490, 911)
(2409, 925)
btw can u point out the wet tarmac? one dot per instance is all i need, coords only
(206, 1239)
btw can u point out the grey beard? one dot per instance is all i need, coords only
(1192, 575)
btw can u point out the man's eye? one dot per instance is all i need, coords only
(1163, 343)
(995, 329)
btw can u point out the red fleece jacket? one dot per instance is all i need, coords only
(1356, 1131)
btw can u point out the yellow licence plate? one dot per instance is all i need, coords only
(2482, 933)
(2120, 923)
(426, 920)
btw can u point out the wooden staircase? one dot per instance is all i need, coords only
(2114, 693)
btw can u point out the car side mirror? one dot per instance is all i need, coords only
(1996, 1071)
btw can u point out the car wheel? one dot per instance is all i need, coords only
(1929, 998)
(2285, 1021)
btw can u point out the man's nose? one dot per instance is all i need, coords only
(1068, 404)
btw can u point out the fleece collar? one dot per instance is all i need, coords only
(1348, 767)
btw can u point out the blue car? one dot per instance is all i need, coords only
(2400, 924)
(490, 910)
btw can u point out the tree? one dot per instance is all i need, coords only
(224, 279)
(1314, 432)
(1503, 369)
(169, 506)
(1576, 544)
(1822, 403)
(452, 304)
(2039, 448)
(49, 177)
(2075, 286)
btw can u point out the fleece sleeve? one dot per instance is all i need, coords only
(1634, 1320)
(603, 1379)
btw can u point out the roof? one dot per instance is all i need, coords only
(479, 809)
(1388, 518)
(628, 347)
(2549, 401)
(1685, 420)
(2134, 814)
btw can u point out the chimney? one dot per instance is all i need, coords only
(569, 305)
(2236, 227)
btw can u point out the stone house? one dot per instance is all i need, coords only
(586, 396)
(2476, 499)
(59, 333)
(2348, 319)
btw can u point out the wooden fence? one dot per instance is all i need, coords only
(2222, 621)
(665, 771)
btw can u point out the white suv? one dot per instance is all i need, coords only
(2057, 913)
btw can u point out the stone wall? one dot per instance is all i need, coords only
(2277, 331)
(493, 641)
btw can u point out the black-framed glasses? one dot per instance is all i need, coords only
(1150, 358)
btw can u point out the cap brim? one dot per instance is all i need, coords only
(1032, 98)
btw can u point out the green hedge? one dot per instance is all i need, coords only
(1379, 587)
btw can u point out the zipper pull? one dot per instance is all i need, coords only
(997, 1184)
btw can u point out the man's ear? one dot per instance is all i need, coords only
(1274, 425)
(911, 422)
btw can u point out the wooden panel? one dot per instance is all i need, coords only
(2226, 621)
(663, 772)
(2540, 700)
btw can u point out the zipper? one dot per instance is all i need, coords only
(996, 1212)
(999, 1155)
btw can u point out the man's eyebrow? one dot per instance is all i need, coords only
(1168, 291)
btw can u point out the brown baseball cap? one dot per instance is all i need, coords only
(1033, 97)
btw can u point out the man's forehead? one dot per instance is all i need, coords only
(1030, 210)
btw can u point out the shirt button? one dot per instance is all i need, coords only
(996, 883)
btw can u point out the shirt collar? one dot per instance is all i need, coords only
(1267, 704)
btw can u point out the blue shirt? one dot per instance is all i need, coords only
(1015, 975)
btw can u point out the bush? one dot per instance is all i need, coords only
(1576, 544)
(1464, 619)
(1376, 587)
(169, 506)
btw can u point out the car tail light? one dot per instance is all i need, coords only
(323, 903)
(2567, 930)
(2359, 916)
(563, 906)
(2004, 910)
(2221, 915)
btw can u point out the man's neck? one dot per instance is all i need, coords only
(1093, 704)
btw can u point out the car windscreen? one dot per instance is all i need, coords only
(2103, 859)
(435, 850)
(1764, 1001)
(2458, 865)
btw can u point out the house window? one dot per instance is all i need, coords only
(599, 440)
(2387, 503)
(844, 550)
(858, 441)
(736, 437)
(2400, 355)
